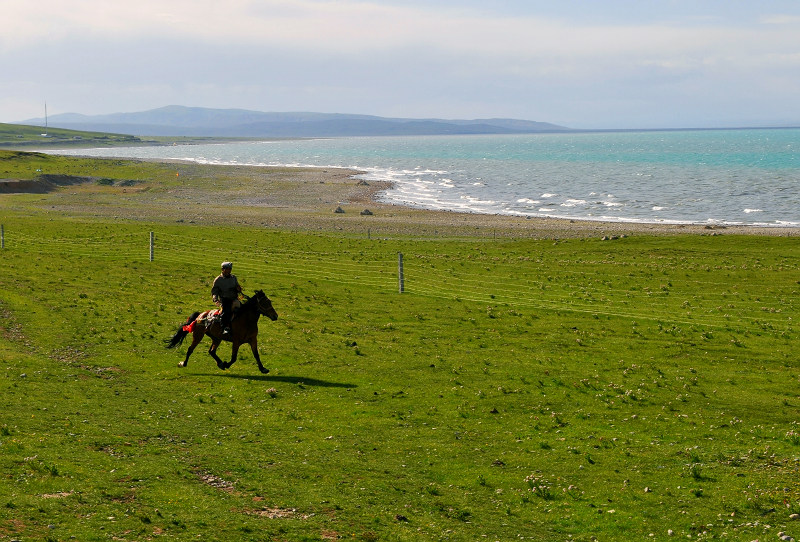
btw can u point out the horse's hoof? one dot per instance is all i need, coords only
(263, 370)
(181, 364)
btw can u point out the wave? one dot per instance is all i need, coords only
(675, 178)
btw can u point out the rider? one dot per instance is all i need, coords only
(225, 292)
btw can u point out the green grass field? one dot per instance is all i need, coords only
(643, 388)
(18, 135)
(21, 136)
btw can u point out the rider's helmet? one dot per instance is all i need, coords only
(227, 265)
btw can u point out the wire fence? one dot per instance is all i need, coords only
(579, 289)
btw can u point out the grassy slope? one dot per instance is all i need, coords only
(18, 135)
(532, 389)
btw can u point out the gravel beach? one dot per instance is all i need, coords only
(326, 199)
(332, 199)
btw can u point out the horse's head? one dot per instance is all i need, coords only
(264, 305)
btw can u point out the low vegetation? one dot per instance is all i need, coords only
(624, 389)
(19, 135)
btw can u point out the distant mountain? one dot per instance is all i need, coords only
(177, 120)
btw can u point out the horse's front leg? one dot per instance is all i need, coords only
(254, 348)
(197, 336)
(234, 353)
(213, 353)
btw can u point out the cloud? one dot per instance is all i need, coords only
(385, 56)
(781, 19)
(356, 26)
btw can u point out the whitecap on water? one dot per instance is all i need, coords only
(664, 167)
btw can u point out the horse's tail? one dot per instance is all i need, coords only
(182, 332)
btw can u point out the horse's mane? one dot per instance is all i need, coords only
(251, 300)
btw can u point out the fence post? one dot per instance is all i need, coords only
(151, 246)
(400, 278)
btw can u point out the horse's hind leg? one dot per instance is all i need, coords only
(254, 348)
(196, 338)
(212, 351)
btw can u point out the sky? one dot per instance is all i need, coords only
(582, 64)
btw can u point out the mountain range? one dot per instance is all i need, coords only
(178, 120)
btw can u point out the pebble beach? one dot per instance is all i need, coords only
(326, 199)
(332, 199)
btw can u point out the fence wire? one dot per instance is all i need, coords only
(577, 288)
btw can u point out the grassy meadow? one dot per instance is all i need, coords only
(17, 135)
(637, 388)
(21, 136)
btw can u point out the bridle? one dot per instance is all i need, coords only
(261, 307)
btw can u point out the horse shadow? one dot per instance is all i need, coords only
(305, 381)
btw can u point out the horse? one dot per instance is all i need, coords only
(244, 330)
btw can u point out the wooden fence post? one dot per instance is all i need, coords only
(400, 277)
(151, 246)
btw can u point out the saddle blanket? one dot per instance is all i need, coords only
(202, 318)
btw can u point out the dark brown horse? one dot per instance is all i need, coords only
(244, 330)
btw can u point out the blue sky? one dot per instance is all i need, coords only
(582, 64)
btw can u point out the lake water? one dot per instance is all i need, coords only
(687, 177)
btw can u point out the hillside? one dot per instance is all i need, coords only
(204, 122)
(15, 135)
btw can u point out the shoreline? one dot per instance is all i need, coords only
(323, 199)
(591, 194)
(365, 196)
(367, 193)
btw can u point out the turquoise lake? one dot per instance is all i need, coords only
(747, 176)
